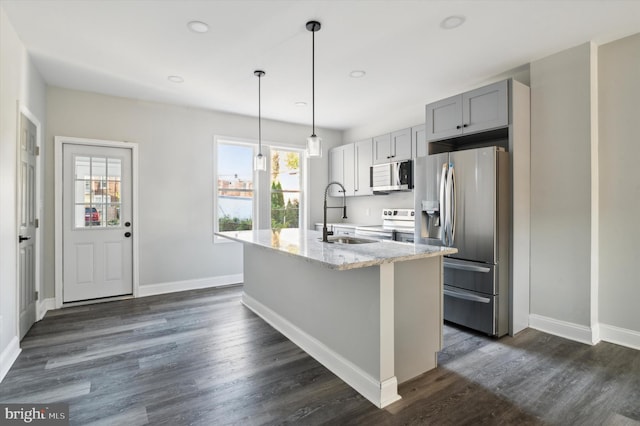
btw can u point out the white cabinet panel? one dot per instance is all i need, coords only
(363, 163)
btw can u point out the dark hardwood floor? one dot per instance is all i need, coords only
(201, 358)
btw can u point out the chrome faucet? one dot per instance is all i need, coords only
(325, 232)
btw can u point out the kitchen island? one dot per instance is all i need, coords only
(371, 313)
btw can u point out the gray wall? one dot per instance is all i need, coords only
(19, 82)
(619, 155)
(176, 176)
(561, 186)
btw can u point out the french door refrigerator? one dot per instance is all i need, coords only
(464, 200)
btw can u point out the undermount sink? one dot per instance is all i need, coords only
(341, 239)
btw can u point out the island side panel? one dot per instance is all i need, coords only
(340, 309)
(418, 316)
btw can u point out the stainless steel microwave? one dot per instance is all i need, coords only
(394, 176)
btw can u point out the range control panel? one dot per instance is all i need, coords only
(398, 214)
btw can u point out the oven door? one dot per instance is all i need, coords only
(378, 234)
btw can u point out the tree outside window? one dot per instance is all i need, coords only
(285, 189)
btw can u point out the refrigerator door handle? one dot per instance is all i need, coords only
(452, 203)
(470, 268)
(466, 296)
(443, 204)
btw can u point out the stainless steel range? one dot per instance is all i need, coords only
(397, 224)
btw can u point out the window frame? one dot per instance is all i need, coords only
(261, 183)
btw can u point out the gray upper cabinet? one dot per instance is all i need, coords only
(395, 146)
(382, 148)
(475, 111)
(419, 136)
(363, 162)
(341, 169)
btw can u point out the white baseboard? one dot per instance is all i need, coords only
(620, 336)
(43, 306)
(172, 287)
(379, 393)
(9, 356)
(568, 330)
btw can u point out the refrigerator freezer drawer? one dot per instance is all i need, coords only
(473, 310)
(472, 276)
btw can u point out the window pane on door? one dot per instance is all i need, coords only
(97, 192)
(235, 187)
(285, 189)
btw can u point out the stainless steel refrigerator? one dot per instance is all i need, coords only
(464, 201)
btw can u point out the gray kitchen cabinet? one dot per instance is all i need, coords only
(475, 111)
(395, 146)
(362, 163)
(341, 169)
(419, 140)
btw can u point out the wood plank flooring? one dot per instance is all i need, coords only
(201, 358)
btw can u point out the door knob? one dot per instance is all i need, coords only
(127, 234)
(21, 238)
(127, 224)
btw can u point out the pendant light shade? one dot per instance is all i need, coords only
(260, 161)
(314, 143)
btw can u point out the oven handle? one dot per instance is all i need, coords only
(374, 234)
(466, 296)
(469, 268)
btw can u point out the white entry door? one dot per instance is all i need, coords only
(27, 225)
(97, 222)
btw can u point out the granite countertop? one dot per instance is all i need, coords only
(307, 244)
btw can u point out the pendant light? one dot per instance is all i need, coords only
(314, 143)
(260, 161)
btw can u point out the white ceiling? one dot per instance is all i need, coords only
(129, 48)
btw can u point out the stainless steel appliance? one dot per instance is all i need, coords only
(397, 224)
(464, 202)
(395, 176)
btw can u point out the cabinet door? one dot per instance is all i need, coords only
(364, 160)
(336, 170)
(341, 169)
(401, 145)
(349, 169)
(485, 108)
(419, 140)
(382, 149)
(444, 118)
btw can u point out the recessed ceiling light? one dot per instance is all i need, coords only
(301, 104)
(198, 26)
(175, 79)
(452, 22)
(357, 74)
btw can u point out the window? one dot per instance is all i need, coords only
(238, 202)
(97, 191)
(286, 181)
(235, 186)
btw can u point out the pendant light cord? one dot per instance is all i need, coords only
(259, 117)
(313, 80)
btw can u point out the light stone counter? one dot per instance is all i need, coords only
(370, 313)
(308, 245)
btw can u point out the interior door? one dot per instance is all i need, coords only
(97, 222)
(475, 199)
(27, 225)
